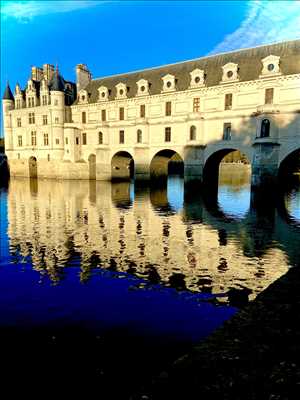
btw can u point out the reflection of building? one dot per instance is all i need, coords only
(246, 100)
(78, 224)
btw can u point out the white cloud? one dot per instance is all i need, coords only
(265, 22)
(24, 11)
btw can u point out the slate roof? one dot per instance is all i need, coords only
(248, 60)
(57, 83)
(7, 95)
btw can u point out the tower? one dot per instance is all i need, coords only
(7, 104)
(57, 113)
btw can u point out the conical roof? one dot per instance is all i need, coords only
(57, 82)
(8, 93)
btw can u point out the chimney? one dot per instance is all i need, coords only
(36, 73)
(48, 71)
(83, 76)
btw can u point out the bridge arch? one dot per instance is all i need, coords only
(166, 162)
(289, 165)
(32, 164)
(122, 166)
(214, 158)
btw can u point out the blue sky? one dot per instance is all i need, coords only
(120, 36)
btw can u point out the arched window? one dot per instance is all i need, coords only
(265, 128)
(100, 138)
(193, 131)
(83, 117)
(139, 137)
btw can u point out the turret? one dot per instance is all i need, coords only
(57, 94)
(7, 100)
(8, 104)
(7, 95)
(83, 76)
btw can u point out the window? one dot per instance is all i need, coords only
(45, 120)
(100, 138)
(77, 140)
(83, 117)
(30, 101)
(227, 131)
(44, 100)
(56, 141)
(19, 122)
(48, 157)
(33, 138)
(265, 128)
(103, 115)
(20, 141)
(168, 134)
(121, 113)
(193, 131)
(196, 104)
(84, 138)
(142, 110)
(121, 137)
(31, 118)
(19, 156)
(139, 136)
(18, 104)
(56, 120)
(228, 101)
(56, 102)
(46, 139)
(269, 93)
(67, 141)
(168, 108)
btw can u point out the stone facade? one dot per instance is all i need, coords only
(199, 111)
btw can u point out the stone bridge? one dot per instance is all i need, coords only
(273, 153)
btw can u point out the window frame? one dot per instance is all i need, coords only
(228, 101)
(168, 108)
(168, 134)
(121, 136)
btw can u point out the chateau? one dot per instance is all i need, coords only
(132, 124)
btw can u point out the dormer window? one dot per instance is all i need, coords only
(121, 91)
(143, 87)
(103, 93)
(230, 72)
(83, 96)
(197, 78)
(168, 83)
(270, 66)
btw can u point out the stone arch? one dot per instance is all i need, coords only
(212, 163)
(32, 164)
(166, 162)
(122, 166)
(289, 165)
(92, 166)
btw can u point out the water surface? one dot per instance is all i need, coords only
(115, 280)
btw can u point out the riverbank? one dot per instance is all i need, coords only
(255, 355)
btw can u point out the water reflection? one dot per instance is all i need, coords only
(185, 241)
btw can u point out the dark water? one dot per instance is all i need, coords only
(103, 284)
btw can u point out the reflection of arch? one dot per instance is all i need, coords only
(120, 194)
(289, 166)
(92, 166)
(32, 167)
(166, 162)
(211, 166)
(122, 166)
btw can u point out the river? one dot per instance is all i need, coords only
(115, 280)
